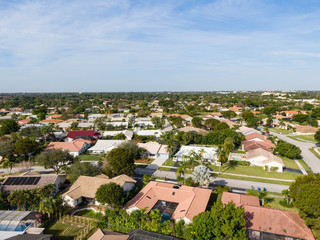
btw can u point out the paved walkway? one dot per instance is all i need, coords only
(301, 168)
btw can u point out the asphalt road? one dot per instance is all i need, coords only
(309, 158)
(236, 184)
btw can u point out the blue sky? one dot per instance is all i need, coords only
(119, 45)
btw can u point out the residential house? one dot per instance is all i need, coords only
(193, 129)
(261, 157)
(127, 133)
(50, 121)
(305, 130)
(75, 148)
(105, 146)
(245, 130)
(172, 202)
(93, 117)
(183, 116)
(154, 150)
(101, 234)
(268, 223)
(85, 134)
(24, 121)
(290, 113)
(84, 188)
(31, 180)
(149, 133)
(208, 154)
(156, 114)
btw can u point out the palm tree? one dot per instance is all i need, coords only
(170, 147)
(221, 154)
(181, 170)
(286, 194)
(262, 196)
(228, 145)
(48, 206)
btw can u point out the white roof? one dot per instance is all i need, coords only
(106, 145)
(96, 115)
(245, 130)
(114, 133)
(116, 124)
(209, 152)
(85, 124)
(156, 133)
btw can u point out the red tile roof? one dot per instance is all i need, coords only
(82, 133)
(191, 200)
(269, 220)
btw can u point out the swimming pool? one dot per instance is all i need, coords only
(165, 217)
(13, 227)
(235, 159)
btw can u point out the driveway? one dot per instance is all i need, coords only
(309, 158)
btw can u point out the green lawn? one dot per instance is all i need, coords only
(279, 130)
(253, 179)
(275, 203)
(164, 169)
(64, 231)
(314, 152)
(289, 163)
(303, 138)
(90, 158)
(169, 162)
(88, 213)
(304, 165)
(255, 171)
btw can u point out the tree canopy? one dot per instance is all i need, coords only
(111, 194)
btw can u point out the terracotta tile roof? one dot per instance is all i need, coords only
(86, 186)
(255, 135)
(107, 235)
(82, 133)
(55, 116)
(24, 121)
(290, 112)
(179, 115)
(270, 220)
(191, 200)
(74, 146)
(252, 145)
(240, 199)
(229, 122)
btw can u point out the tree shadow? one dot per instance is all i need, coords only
(230, 165)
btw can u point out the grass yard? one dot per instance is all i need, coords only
(279, 130)
(90, 158)
(303, 138)
(289, 163)
(141, 166)
(275, 203)
(169, 162)
(88, 213)
(255, 171)
(253, 179)
(304, 165)
(314, 152)
(64, 231)
(164, 169)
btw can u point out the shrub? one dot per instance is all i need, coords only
(284, 203)
(274, 169)
(266, 168)
(189, 182)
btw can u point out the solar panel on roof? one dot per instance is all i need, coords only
(29, 181)
(37, 179)
(18, 181)
(24, 180)
(9, 181)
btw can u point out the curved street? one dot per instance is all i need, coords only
(310, 159)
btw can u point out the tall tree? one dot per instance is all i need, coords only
(55, 159)
(8, 126)
(119, 161)
(111, 194)
(25, 146)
